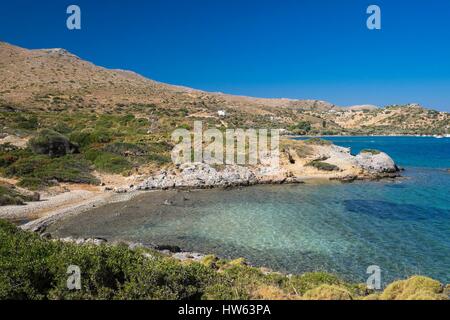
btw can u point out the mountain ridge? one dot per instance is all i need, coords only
(56, 80)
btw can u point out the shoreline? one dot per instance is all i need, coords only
(57, 212)
(170, 248)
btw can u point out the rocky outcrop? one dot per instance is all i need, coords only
(199, 175)
(292, 169)
(376, 163)
(173, 251)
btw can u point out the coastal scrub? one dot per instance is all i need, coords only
(36, 268)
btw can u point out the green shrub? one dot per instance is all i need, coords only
(8, 147)
(318, 141)
(87, 137)
(32, 183)
(127, 119)
(125, 149)
(159, 158)
(62, 128)
(35, 268)
(27, 166)
(328, 292)
(44, 168)
(10, 196)
(324, 166)
(108, 162)
(302, 127)
(67, 169)
(26, 122)
(414, 288)
(311, 280)
(371, 151)
(6, 159)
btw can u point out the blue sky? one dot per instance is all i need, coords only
(316, 49)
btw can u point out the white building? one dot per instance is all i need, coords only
(222, 113)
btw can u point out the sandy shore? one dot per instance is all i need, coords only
(48, 204)
(36, 215)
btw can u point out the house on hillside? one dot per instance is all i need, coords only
(222, 113)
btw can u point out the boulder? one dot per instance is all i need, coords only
(376, 163)
(52, 143)
(199, 175)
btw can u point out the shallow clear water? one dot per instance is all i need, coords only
(403, 226)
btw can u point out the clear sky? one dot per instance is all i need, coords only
(312, 49)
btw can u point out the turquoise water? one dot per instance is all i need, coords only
(403, 226)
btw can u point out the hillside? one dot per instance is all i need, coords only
(49, 80)
(65, 120)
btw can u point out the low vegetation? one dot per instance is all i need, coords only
(301, 128)
(68, 147)
(35, 268)
(318, 142)
(301, 149)
(10, 196)
(324, 166)
(371, 151)
(40, 171)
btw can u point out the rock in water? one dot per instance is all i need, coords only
(376, 163)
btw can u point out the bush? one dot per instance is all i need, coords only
(302, 127)
(371, 151)
(67, 169)
(62, 128)
(328, 292)
(318, 141)
(27, 166)
(35, 268)
(324, 166)
(32, 183)
(52, 143)
(311, 280)
(125, 149)
(29, 122)
(414, 288)
(108, 162)
(88, 137)
(9, 196)
(44, 168)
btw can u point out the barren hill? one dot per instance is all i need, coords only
(56, 80)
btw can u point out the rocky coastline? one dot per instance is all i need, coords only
(167, 250)
(292, 169)
(335, 164)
